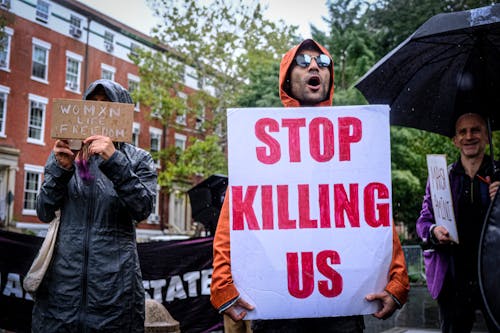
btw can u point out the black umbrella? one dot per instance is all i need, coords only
(206, 201)
(448, 66)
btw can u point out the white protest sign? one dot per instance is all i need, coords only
(310, 206)
(442, 202)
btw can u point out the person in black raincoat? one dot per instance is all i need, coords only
(94, 283)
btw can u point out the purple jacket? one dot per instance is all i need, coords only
(436, 261)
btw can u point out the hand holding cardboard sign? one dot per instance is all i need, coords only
(100, 145)
(64, 155)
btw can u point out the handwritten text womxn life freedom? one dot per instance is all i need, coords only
(75, 119)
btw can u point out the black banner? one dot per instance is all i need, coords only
(175, 273)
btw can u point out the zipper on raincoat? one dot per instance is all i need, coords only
(84, 280)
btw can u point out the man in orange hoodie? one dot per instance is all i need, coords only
(306, 79)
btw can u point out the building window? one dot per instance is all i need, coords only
(133, 85)
(75, 26)
(4, 93)
(73, 67)
(42, 11)
(40, 60)
(108, 41)
(180, 141)
(177, 209)
(32, 184)
(136, 130)
(134, 49)
(155, 143)
(5, 4)
(154, 218)
(108, 72)
(182, 114)
(5, 48)
(36, 121)
(200, 120)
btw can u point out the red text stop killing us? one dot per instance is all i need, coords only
(336, 203)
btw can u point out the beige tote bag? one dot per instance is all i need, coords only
(39, 266)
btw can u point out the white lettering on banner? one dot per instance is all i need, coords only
(14, 288)
(175, 289)
(179, 287)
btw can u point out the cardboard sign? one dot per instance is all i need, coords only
(310, 209)
(442, 202)
(79, 119)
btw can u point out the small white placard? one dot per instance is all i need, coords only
(442, 202)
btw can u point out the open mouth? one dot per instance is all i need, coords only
(313, 82)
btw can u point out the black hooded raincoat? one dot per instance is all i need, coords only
(93, 283)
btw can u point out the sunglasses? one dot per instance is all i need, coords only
(304, 60)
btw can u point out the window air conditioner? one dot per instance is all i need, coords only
(71, 85)
(75, 31)
(108, 46)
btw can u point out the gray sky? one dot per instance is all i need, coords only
(137, 14)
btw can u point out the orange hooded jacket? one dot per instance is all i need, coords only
(222, 289)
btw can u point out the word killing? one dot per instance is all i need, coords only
(374, 199)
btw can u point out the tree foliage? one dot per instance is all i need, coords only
(218, 43)
(201, 157)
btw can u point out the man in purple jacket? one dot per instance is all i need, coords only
(451, 269)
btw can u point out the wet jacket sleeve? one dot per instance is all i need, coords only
(134, 179)
(399, 284)
(426, 219)
(54, 189)
(222, 289)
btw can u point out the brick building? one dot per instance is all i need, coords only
(54, 49)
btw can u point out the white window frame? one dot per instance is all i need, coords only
(44, 101)
(39, 14)
(158, 133)
(200, 120)
(109, 39)
(33, 169)
(70, 85)
(136, 131)
(133, 48)
(154, 217)
(5, 4)
(178, 206)
(75, 26)
(46, 46)
(182, 139)
(8, 33)
(136, 80)
(3, 117)
(110, 69)
(182, 119)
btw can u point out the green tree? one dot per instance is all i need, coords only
(201, 157)
(348, 43)
(218, 42)
(390, 22)
(263, 87)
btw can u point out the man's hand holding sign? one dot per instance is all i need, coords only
(310, 209)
